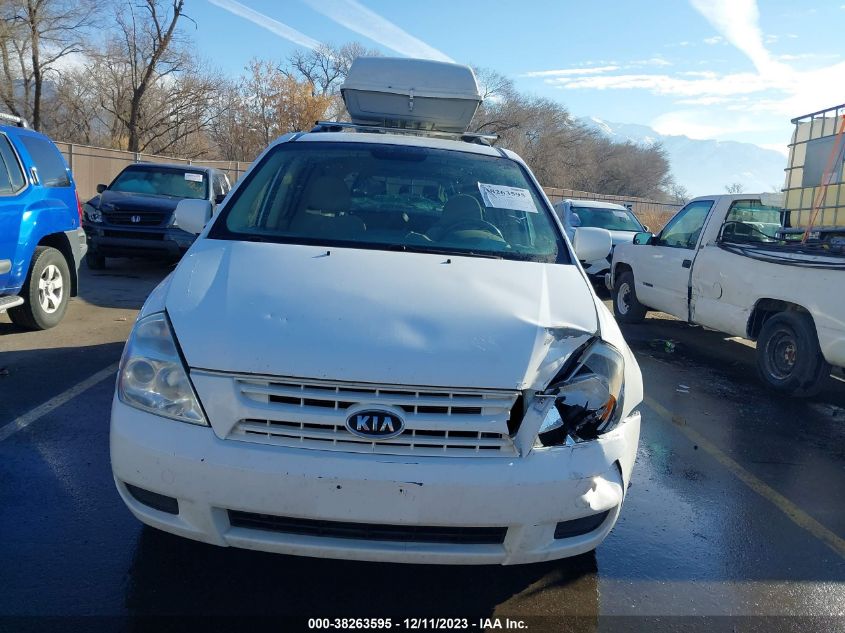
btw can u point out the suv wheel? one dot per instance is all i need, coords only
(626, 306)
(46, 292)
(789, 359)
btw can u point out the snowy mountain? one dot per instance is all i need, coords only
(705, 167)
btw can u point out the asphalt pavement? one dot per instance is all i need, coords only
(735, 518)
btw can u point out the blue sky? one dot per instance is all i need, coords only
(718, 69)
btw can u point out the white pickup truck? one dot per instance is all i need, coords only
(718, 264)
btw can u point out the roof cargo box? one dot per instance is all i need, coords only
(411, 93)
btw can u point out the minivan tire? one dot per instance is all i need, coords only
(789, 359)
(46, 292)
(626, 307)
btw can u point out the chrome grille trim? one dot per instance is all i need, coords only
(312, 414)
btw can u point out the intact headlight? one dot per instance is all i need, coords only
(152, 377)
(587, 401)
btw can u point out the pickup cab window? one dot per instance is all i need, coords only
(684, 229)
(387, 197)
(750, 221)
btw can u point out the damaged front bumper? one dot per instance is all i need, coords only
(549, 504)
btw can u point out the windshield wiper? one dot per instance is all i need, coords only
(419, 248)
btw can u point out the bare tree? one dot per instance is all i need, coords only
(265, 103)
(735, 187)
(150, 50)
(75, 113)
(39, 33)
(677, 193)
(326, 66)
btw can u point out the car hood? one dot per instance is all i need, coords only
(377, 316)
(119, 200)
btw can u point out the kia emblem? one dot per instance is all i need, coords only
(375, 424)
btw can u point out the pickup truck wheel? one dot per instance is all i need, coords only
(46, 292)
(626, 306)
(94, 260)
(789, 359)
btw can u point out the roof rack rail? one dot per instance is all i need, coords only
(11, 118)
(337, 126)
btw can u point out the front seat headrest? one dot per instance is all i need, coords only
(460, 208)
(328, 194)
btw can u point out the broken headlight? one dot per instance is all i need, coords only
(587, 400)
(152, 376)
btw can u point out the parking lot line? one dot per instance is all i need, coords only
(53, 403)
(793, 512)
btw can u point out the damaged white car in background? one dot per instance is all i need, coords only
(381, 348)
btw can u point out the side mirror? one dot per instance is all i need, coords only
(643, 238)
(592, 243)
(220, 197)
(192, 215)
(101, 188)
(574, 219)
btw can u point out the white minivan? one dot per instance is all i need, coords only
(381, 348)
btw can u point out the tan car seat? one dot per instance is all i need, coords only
(458, 209)
(325, 212)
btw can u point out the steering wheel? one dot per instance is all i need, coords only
(473, 224)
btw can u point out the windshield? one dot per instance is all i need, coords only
(175, 183)
(391, 197)
(610, 219)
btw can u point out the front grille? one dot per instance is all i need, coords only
(312, 414)
(145, 218)
(369, 531)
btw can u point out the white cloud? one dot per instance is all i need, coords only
(571, 71)
(713, 104)
(716, 39)
(358, 18)
(734, 84)
(593, 68)
(738, 21)
(265, 21)
(651, 61)
(800, 56)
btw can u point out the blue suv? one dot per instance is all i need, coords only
(41, 239)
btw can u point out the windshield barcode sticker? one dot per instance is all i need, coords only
(193, 177)
(502, 197)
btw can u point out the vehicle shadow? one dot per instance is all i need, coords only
(29, 377)
(676, 342)
(124, 283)
(171, 575)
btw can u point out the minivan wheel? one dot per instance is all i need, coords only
(789, 359)
(626, 306)
(46, 292)
(94, 260)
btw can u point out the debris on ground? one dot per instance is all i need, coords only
(664, 345)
